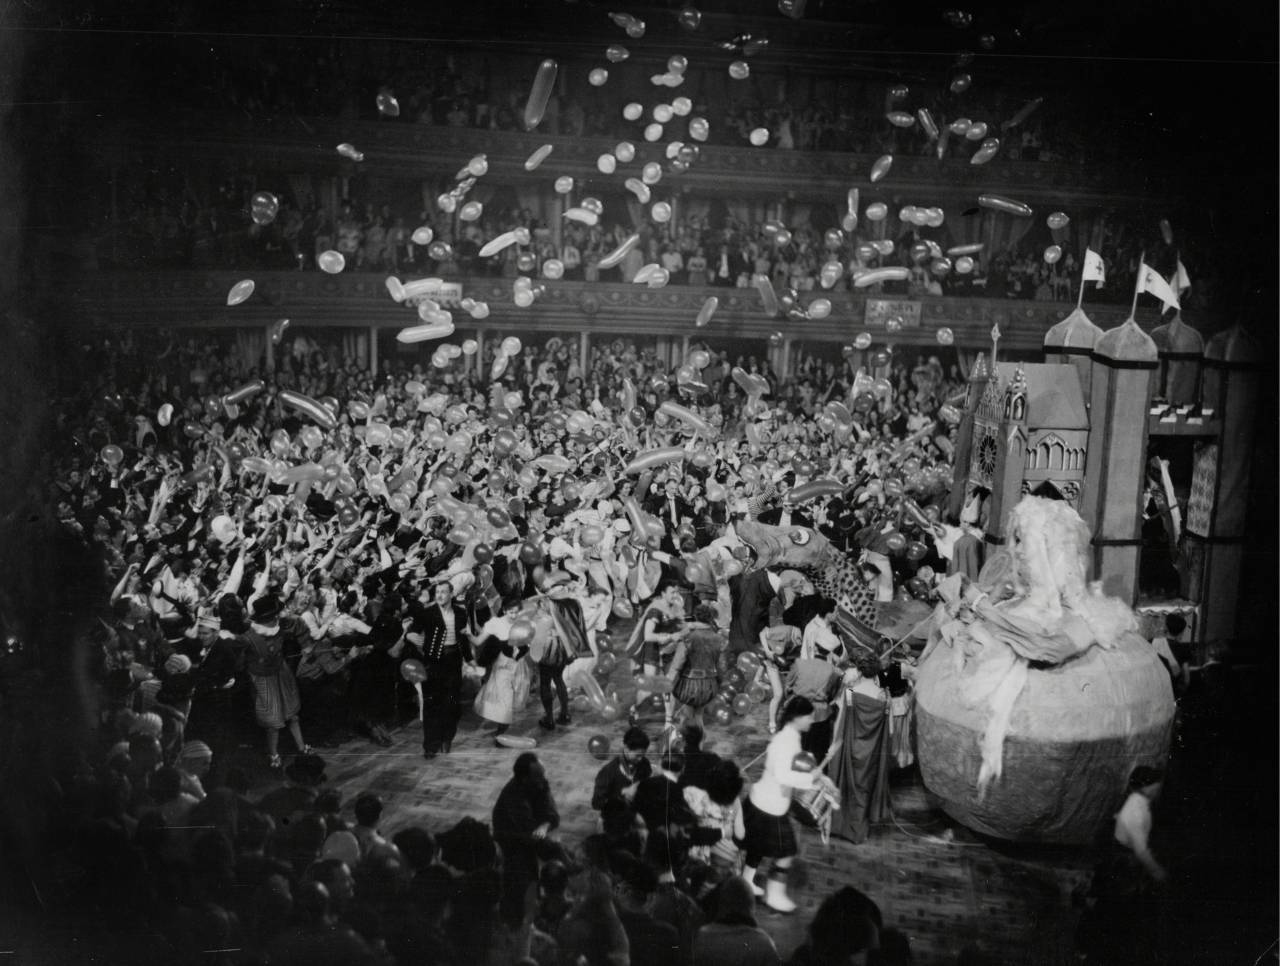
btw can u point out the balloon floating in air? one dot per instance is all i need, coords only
(240, 291)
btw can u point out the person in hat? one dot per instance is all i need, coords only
(303, 778)
(194, 761)
(275, 692)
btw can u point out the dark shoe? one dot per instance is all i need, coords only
(547, 724)
(428, 755)
(564, 718)
(447, 748)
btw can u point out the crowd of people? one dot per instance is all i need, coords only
(252, 597)
(702, 247)
(337, 554)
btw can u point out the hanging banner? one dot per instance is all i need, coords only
(880, 310)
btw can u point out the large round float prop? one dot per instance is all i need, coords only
(1029, 749)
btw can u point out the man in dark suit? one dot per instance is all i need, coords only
(617, 780)
(444, 645)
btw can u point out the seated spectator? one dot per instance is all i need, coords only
(732, 937)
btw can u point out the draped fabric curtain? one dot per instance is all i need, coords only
(251, 347)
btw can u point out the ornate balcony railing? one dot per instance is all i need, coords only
(198, 299)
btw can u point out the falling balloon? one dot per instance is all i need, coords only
(348, 151)
(881, 167)
(945, 336)
(240, 291)
(1007, 205)
(388, 105)
(543, 84)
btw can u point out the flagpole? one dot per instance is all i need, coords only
(1080, 296)
(1137, 286)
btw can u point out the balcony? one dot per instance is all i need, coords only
(401, 150)
(308, 299)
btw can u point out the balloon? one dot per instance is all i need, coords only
(977, 131)
(582, 215)
(471, 211)
(999, 203)
(349, 152)
(307, 406)
(826, 486)
(331, 262)
(597, 77)
(1052, 254)
(990, 148)
(607, 163)
(862, 341)
(1025, 112)
(543, 85)
(598, 745)
(819, 308)
(616, 256)
(247, 391)
(688, 417)
(916, 551)
(759, 137)
(538, 156)
(741, 705)
(653, 458)
(707, 311)
(661, 212)
(895, 542)
(964, 264)
(413, 671)
(927, 123)
(639, 189)
(111, 454)
(768, 300)
(881, 275)
(804, 762)
(900, 118)
(877, 211)
(960, 83)
(424, 333)
(240, 291)
(945, 336)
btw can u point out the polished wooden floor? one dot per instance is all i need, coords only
(945, 887)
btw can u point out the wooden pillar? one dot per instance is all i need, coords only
(373, 351)
(1218, 532)
(1124, 364)
(480, 349)
(271, 349)
(584, 347)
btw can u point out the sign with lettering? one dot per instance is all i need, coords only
(448, 294)
(880, 310)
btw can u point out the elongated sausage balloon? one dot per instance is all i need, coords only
(310, 407)
(553, 463)
(654, 458)
(495, 245)
(619, 253)
(688, 417)
(424, 333)
(707, 311)
(743, 379)
(306, 473)
(247, 391)
(544, 83)
(881, 168)
(1027, 110)
(927, 122)
(767, 297)
(537, 157)
(1008, 205)
(881, 275)
(815, 488)
(583, 215)
(970, 249)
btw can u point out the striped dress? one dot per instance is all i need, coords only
(275, 692)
